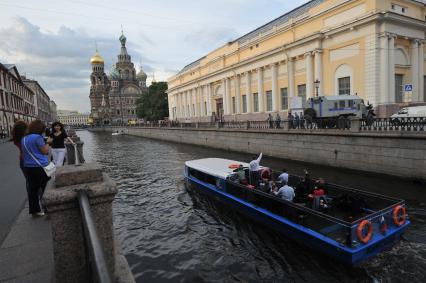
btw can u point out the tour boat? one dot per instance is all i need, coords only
(356, 225)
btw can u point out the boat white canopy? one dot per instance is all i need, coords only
(216, 167)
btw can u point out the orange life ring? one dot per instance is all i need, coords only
(234, 166)
(399, 215)
(359, 231)
(265, 173)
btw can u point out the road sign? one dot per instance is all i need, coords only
(408, 87)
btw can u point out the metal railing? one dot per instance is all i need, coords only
(413, 124)
(95, 255)
(377, 124)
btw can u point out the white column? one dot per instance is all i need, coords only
(391, 97)
(181, 108)
(237, 95)
(224, 98)
(384, 70)
(249, 95)
(185, 105)
(309, 75)
(290, 73)
(421, 72)
(228, 96)
(209, 99)
(415, 69)
(275, 87)
(318, 71)
(260, 88)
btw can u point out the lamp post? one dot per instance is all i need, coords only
(317, 83)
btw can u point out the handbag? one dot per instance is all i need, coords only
(49, 169)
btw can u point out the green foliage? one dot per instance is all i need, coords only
(153, 105)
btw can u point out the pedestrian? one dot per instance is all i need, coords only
(278, 121)
(296, 121)
(58, 136)
(302, 120)
(35, 152)
(290, 118)
(254, 168)
(270, 119)
(18, 132)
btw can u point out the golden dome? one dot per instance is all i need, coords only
(97, 59)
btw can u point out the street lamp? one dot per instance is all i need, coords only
(317, 83)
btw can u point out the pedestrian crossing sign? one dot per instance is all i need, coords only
(408, 87)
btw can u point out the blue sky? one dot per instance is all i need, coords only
(52, 40)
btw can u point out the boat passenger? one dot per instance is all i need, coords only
(241, 174)
(283, 177)
(285, 192)
(266, 185)
(254, 170)
(304, 188)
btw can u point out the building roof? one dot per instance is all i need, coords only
(217, 167)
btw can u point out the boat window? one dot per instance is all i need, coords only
(202, 176)
(342, 103)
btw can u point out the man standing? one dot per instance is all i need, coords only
(270, 119)
(278, 121)
(254, 170)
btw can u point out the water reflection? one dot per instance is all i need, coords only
(170, 234)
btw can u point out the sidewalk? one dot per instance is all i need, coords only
(26, 255)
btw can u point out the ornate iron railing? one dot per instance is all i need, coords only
(413, 124)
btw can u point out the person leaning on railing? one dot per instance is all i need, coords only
(57, 141)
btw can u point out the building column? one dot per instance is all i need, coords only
(391, 96)
(181, 108)
(185, 104)
(275, 87)
(290, 78)
(384, 72)
(249, 95)
(415, 69)
(309, 75)
(224, 97)
(228, 96)
(237, 95)
(421, 72)
(318, 71)
(209, 99)
(260, 88)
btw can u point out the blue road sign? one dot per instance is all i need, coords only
(408, 87)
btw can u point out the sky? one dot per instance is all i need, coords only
(52, 41)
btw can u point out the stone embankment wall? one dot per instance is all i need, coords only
(400, 153)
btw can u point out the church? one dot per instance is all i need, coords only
(113, 98)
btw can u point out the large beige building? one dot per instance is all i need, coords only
(372, 48)
(72, 118)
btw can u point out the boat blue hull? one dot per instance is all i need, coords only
(307, 237)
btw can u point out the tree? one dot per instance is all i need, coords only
(153, 105)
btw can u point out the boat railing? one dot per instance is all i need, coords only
(324, 224)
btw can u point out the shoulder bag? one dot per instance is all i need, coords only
(50, 168)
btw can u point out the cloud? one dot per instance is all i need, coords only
(60, 60)
(211, 38)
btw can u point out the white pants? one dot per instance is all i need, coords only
(58, 155)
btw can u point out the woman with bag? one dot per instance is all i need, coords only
(35, 152)
(58, 137)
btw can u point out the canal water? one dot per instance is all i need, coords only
(171, 235)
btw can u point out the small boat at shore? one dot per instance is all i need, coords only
(116, 134)
(356, 225)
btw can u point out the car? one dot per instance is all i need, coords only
(408, 112)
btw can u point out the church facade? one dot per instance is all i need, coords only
(113, 98)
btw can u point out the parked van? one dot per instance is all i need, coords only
(408, 112)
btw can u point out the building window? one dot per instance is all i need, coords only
(269, 100)
(284, 99)
(398, 88)
(255, 102)
(244, 104)
(301, 91)
(344, 85)
(205, 107)
(233, 105)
